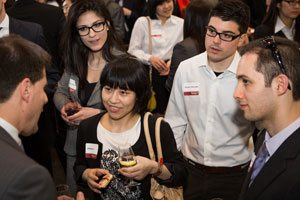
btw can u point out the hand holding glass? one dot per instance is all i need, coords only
(128, 159)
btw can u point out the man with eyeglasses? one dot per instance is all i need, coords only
(268, 92)
(208, 126)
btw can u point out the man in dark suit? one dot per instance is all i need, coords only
(268, 92)
(22, 97)
(51, 18)
(37, 146)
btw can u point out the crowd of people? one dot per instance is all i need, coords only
(77, 77)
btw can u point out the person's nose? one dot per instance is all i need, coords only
(238, 94)
(92, 33)
(114, 97)
(217, 39)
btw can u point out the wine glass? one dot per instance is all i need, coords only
(127, 159)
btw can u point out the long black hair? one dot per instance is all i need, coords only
(271, 18)
(196, 17)
(74, 52)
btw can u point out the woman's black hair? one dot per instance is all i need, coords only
(128, 73)
(74, 52)
(151, 7)
(196, 17)
(271, 18)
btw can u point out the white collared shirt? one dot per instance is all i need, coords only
(5, 27)
(11, 130)
(280, 26)
(164, 38)
(207, 123)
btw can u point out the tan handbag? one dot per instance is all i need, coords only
(158, 191)
(152, 101)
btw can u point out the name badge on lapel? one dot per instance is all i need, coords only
(191, 88)
(91, 150)
(72, 85)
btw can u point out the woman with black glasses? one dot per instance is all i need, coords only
(88, 43)
(282, 19)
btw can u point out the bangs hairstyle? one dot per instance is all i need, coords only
(233, 10)
(151, 7)
(128, 73)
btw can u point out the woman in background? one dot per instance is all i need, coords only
(166, 31)
(88, 43)
(195, 19)
(282, 20)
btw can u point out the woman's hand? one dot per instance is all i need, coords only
(68, 109)
(158, 63)
(143, 167)
(82, 114)
(166, 72)
(91, 176)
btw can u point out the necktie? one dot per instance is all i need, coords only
(259, 162)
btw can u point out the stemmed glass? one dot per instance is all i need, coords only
(127, 159)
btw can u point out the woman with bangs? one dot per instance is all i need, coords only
(89, 42)
(125, 91)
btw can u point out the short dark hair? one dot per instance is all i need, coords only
(151, 7)
(129, 74)
(233, 10)
(266, 64)
(20, 59)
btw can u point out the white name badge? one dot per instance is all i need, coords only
(191, 88)
(91, 150)
(72, 85)
(156, 33)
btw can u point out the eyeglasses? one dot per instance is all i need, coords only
(223, 36)
(292, 3)
(270, 43)
(85, 30)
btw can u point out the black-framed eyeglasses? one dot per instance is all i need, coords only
(270, 43)
(292, 2)
(228, 37)
(85, 30)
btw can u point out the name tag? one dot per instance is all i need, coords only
(191, 88)
(91, 150)
(156, 33)
(72, 85)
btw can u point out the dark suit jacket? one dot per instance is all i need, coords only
(21, 177)
(51, 18)
(263, 30)
(279, 179)
(182, 51)
(117, 16)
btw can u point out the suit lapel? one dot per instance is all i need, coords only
(12, 26)
(275, 165)
(4, 136)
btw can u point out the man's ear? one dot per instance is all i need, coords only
(26, 87)
(243, 40)
(282, 82)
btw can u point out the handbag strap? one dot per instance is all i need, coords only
(150, 47)
(149, 34)
(157, 137)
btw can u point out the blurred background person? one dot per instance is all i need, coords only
(281, 20)
(89, 42)
(166, 31)
(195, 19)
